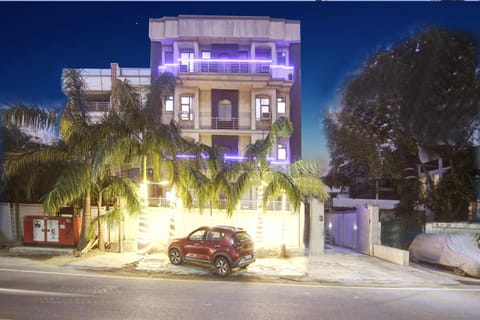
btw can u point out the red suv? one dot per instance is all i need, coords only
(221, 246)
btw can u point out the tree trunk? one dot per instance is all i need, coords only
(282, 252)
(86, 220)
(120, 235)
(101, 241)
(259, 232)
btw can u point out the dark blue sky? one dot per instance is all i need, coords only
(39, 39)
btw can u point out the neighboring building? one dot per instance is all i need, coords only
(235, 77)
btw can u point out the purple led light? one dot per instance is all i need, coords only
(167, 65)
(233, 157)
(281, 67)
(185, 156)
(280, 162)
(226, 60)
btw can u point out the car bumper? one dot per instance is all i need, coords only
(245, 261)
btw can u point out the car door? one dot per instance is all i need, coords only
(194, 246)
(213, 243)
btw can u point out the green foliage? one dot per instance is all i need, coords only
(423, 92)
(452, 195)
(307, 177)
(111, 218)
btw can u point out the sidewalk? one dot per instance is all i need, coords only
(334, 267)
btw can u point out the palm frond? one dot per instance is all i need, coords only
(282, 182)
(26, 115)
(110, 218)
(124, 188)
(23, 161)
(75, 88)
(72, 184)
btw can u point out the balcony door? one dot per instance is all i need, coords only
(224, 109)
(224, 53)
(228, 144)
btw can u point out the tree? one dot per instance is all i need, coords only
(212, 179)
(81, 151)
(258, 172)
(112, 187)
(24, 186)
(422, 93)
(140, 134)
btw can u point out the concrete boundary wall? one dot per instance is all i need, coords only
(6, 232)
(446, 227)
(279, 226)
(390, 254)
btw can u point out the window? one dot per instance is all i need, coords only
(262, 108)
(214, 235)
(224, 110)
(186, 108)
(169, 103)
(206, 55)
(198, 235)
(281, 152)
(281, 105)
(186, 61)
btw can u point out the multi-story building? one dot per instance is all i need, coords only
(235, 77)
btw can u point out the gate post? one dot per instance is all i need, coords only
(373, 227)
(317, 226)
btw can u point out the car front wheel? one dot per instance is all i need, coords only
(459, 272)
(222, 266)
(175, 256)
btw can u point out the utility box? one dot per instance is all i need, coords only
(51, 230)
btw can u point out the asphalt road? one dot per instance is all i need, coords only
(29, 294)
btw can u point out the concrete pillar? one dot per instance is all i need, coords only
(317, 232)
(373, 226)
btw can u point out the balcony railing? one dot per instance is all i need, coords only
(243, 205)
(99, 106)
(101, 79)
(243, 122)
(230, 66)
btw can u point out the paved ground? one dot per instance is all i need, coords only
(336, 266)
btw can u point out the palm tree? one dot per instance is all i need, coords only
(81, 150)
(142, 135)
(22, 187)
(259, 172)
(211, 178)
(108, 187)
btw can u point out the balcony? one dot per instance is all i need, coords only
(99, 106)
(220, 123)
(229, 66)
(207, 122)
(101, 79)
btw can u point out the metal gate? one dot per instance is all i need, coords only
(356, 229)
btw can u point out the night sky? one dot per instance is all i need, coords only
(39, 39)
